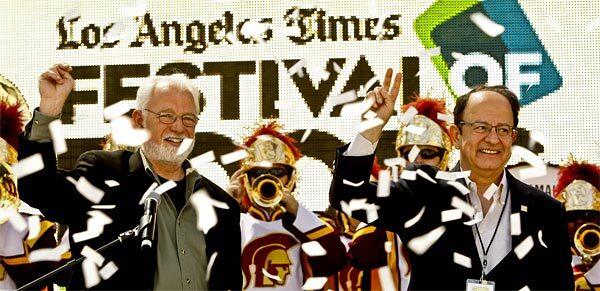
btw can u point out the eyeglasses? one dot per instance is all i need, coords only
(426, 154)
(189, 120)
(278, 172)
(503, 130)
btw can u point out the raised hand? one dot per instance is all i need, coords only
(236, 185)
(55, 85)
(383, 99)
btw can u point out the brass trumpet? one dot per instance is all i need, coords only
(587, 241)
(266, 191)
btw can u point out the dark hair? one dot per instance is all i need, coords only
(461, 102)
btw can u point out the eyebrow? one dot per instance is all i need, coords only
(481, 121)
(173, 112)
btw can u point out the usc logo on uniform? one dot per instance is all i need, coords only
(265, 260)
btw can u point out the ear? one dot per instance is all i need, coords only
(138, 118)
(455, 135)
(514, 135)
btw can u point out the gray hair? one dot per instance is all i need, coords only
(178, 81)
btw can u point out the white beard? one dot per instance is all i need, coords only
(165, 153)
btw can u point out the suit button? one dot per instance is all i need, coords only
(182, 251)
(187, 281)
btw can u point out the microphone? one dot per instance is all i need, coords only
(148, 221)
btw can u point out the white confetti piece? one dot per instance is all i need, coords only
(297, 68)
(531, 173)
(343, 98)
(448, 118)
(95, 226)
(137, 10)
(147, 193)
(421, 244)
(465, 207)
(457, 55)
(305, 135)
(33, 223)
(87, 190)
(490, 191)
(538, 166)
(112, 206)
(451, 214)
(349, 183)
(486, 25)
(164, 187)
(370, 83)
(462, 174)
(233, 157)
(394, 174)
(524, 288)
(478, 218)
(431, 52)
(107, 271)
(515, 224)
(361, 204)
(90, 273)
(356, 108)
(524, 247)
(255, 30)
(337, 68)
(418, 130)
(425, 176)
(408, 175)
(230, 36)
(462, 260)
(184, 146)
(72, 14)
(28, 166)
(325, 75)
(205, 210)
(370, 115)
(541, 240)
(313, 249)
(14, 218)
(115, 110)
(460, 187)
(111, 183)
(408, 115)
(124, 134)
(415, 219)
(58, 139)
(202, 159)
(524, 208)
(378, 30)
(113, 34)
(387, 246)
(535, 136)
(593, 274)
(271, 276)
(414, 153)
(398, 161)
(443, 175)
(385, 278)
(48, 254)
(383, 183)
(370, 123)
(211, 262)
(593, 25)
(94, 256)
(313, 283)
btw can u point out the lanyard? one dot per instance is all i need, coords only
(483, 248)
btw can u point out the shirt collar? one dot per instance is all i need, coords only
(187, 166)
(500, 194)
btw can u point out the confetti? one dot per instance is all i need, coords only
(408, 115)
(325, 75)
(385, 278)
(28, 166)
(230, 36)
(137, 10)
(486, 25)
(72, 15)
(270, 276)
(343, 98)
(490, 191)
(593, 274)
(33, 223)
(202, 159)
(205, 210)
(346, 182)
(361, 204)
(524, 288)
(111, 183)
(90, 273)
(124, 134)
(443, 175)
(16, 220)
(541, 240)
(398, 161)
(113, 34)
(233, 157)
(451, 214)
(383, 184)
(387, 246)
(95, 226)
(370, 83)
(112, 206)
(524, 247)
(534, 137)
(418, 130)
(211, 262)
(515, 224)
(48, 254)
(462, 260)
(478, 218)
(337, 68)
(462, 174)
(415, 219)
(89, 191)
(297, 68)
(394, 174)
(457, 55)
(524, 208)
(58, 139)
(413, 154)
(356, 108)
(425, 176)
(94, 256)
(313, 249)
(108, 270)
(164, 187)
(254, 30)
(408, 175)
(431, 52)
(147, 193)
(305, 135)
(370, 123)
(448, 118)
(419, 245)
(313, 283)
(538, 168)
(465, 207)
(460, 187)
(370, 115)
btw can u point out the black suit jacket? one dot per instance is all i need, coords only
(58, 199)
(544, 267)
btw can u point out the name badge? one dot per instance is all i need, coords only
(480, 285)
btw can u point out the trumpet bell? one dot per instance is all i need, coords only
(587, 241)
(267, 191)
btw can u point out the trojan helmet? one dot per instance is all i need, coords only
(436, 131)
(13, 115)
(267, 147)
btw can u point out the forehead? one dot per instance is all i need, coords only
(488, 106)
(170, 97)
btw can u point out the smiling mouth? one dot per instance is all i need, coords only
(489, 152)
(174, 140)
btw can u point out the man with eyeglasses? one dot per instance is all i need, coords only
(180, 256)
(367, 251)
(275, 225)
(508, 235)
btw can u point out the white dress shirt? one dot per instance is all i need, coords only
(502, 243)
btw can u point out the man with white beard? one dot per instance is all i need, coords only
(182, 257)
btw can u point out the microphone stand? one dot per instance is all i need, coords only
(74, 262)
